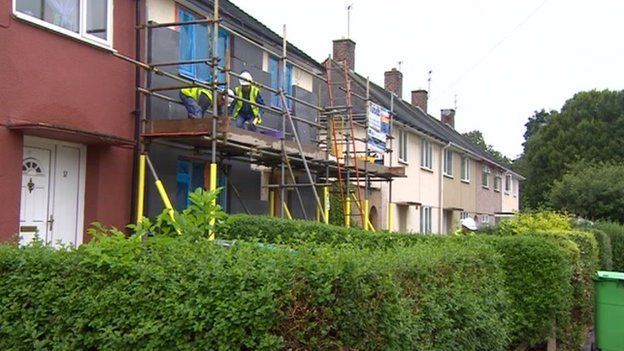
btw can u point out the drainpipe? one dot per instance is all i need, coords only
(441, 197)
(137, 110)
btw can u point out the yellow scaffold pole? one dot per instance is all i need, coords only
(212, 188)
(162, 192)
(326, 203)
(141, 189)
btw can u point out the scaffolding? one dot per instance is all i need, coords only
(334, 157)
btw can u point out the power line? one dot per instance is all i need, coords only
(496, 46)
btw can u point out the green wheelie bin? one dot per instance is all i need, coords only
(609, 322)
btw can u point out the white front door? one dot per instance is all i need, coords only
(52, 204)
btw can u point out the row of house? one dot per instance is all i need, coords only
(71, 120)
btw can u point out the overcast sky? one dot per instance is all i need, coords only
(503, 59)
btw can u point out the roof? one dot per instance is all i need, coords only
(247, 23)
(416, 118)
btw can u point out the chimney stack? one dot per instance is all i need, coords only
(344, 50)
(393, 81)
(420, 98)
(448, 117)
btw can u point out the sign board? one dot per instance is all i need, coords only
(378, 129)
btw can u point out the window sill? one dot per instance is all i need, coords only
(449, 176)
(62, 31)
(485, 187)
(498, 191)
(403, 162)
(465, 181)
(427, 169)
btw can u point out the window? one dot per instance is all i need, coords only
(508, 181)
(425, 219)
(89, 20)
(497, 182)
(485, 219)
(402, 145)
(195, 44)
(426, 160)
(485, 177)
(515, 184)
(190, 176)
(448, 162)
(274, 69)
(463, 215)
(465, 169)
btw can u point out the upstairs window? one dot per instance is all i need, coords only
(497, 183)
(426, 160)
(196, 44)
(448, 162)
(90, 20)
(485, 177)
(402, 145)
(508, 183)
(465, 169)
(274, 70)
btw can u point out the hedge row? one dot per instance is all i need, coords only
(615, 231)
(538, 272)
(174, 294)
(582, 251)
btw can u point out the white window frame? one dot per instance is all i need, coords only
(403, 135)
(463, 215)
(485, 219)
(82, 34)
(465, 169)
(498, 180)
(426, 155)
(508, 183)
(486, 170)
(448, 163)
(425, 219)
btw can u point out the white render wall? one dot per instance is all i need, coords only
(421, 186)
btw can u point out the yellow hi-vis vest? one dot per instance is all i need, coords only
(253, 97)
(195, 92)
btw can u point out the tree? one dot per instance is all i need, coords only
(476, 137)
(592, 191)
(590, 127)
(538, 120)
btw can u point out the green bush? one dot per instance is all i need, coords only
(604, 248)
(532, 221)
(537, 272)
(538, 280)
(168, 293)
(615, 231)
(296, 232)
(584, 257)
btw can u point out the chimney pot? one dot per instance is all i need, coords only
(420, 98)
(393, 82)
(448, 117)
(344, 51)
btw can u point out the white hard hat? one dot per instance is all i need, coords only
(469, 223)
(246, 78)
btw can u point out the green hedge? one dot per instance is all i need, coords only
(584, 257)
(537, 272)
(615, 231)
(296, 232)
(170, 293)
(538, 280)
(605, 249)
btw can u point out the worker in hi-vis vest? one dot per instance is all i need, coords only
(247, 115)
(196, 100)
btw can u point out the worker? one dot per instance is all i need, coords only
(196, 100)
(247, 115)
(468, 227)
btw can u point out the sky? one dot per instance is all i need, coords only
(497, 61)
